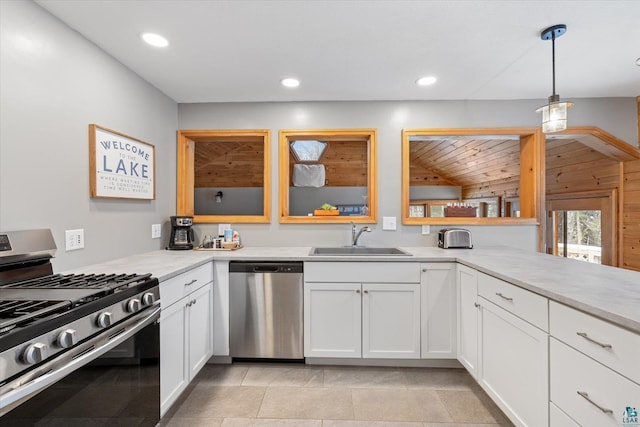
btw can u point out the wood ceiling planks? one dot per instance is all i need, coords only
(463, 161)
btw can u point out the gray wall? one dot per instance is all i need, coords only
(53, 84)
(235, 201)
(615, 115)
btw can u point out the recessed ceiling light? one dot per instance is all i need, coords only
(426, 81)
(290, 82)
(155, 39)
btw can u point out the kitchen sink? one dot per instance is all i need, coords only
(356, 251)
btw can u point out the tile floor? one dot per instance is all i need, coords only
(293, 395)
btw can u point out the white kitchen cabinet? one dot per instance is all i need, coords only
(186, 339)
(332, 320)
(354, 310)
(438, 310)
(513, 365)
(391, 320)
(467, 318)
(594, 374)
(590, 393)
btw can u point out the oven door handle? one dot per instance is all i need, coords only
(23, 388)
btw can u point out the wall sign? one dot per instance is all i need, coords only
(120, 166)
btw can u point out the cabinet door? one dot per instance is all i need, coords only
(173, 367)
(467, 289)
(391, 320)
(438, 310)
(332, 320)
(199, 329)
(514, 365)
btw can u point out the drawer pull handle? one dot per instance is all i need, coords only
(191, 282)
(503, 297)
(586, 337)
(586, 396)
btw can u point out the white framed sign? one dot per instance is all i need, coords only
(120, 166)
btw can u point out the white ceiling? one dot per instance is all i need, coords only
(229, 51)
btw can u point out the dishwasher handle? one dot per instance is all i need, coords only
(265, 269)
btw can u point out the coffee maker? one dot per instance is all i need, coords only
(181, 233)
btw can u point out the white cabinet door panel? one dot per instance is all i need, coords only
(332, 320)
(174, 376)
(391, 321)
(221, 308)
(468, 314)
(199, 330)
(438, 310)
(514, 365)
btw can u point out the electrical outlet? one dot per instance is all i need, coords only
(388, 222)
(74, 239)
(426, 230)
(156, 231)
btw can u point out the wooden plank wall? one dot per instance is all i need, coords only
(506, 187)
(229, 163)
(345, 164)
(631, 216)
(573, 167)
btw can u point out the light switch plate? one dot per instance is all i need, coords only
(156, 231)
(426, 230)
(222, 227)
(388, 222)
(74, 239)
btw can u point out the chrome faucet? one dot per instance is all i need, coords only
(356, 235)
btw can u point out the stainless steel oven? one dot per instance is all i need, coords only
(76, 349)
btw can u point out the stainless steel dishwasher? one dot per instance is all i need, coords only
(266, 310)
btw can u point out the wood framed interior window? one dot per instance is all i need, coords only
(483, 164)
(224, 175)
(345, 176)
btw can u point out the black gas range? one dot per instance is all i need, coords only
(54, 324)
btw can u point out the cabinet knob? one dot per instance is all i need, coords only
(476, 305)
(366, 292)
(424, 270)
(357, 291)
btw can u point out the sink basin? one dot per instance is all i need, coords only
(356, 251)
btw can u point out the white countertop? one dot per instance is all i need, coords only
(609, 293)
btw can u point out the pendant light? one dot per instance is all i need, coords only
(554, 114)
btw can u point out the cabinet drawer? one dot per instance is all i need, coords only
(588, 392)
(615, 347)
(528, 306)
(173, 289)
(358, 272)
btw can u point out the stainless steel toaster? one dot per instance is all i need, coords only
(449, 238)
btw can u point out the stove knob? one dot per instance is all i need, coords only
(148, 298)
(104, 319)
(34, 353)
(133, 305)
(67, 338)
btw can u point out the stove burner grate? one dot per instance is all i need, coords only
(82, 281)
(15, 312)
